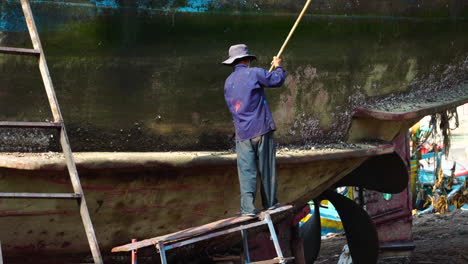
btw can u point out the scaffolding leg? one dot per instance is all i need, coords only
(274, 238)
(245, 243)
(162, 252)
(134, 253)
(1, 257)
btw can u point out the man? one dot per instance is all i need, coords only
(254, 124)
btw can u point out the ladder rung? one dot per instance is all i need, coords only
(41, 195)
(272, 261)
(20, 51)
(30, 124)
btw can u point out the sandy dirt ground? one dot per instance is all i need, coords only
(438, 239)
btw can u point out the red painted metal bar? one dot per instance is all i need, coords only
(134, 253)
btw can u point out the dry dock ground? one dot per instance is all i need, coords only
(438, 239)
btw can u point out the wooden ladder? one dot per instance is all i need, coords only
(57, 124)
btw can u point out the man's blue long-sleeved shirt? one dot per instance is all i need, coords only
(245, 98)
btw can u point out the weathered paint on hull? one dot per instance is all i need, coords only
(140, 203)
(132, 79)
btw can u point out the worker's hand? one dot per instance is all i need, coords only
(276, 61)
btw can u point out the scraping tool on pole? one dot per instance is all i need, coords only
(298, 20)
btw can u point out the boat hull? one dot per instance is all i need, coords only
(136, 201)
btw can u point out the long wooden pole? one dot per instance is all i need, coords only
(298, 20)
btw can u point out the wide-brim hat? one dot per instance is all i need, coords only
(238, 51)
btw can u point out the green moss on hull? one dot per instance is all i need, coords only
(153, 81)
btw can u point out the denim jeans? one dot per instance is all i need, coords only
(261, 152)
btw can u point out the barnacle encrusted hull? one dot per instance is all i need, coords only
(147, 76)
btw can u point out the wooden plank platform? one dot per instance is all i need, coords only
(197, 231)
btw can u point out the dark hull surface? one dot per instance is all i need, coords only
(149, 77)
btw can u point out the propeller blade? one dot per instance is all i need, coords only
(311, 234)
(386, 173)
(360, 230)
